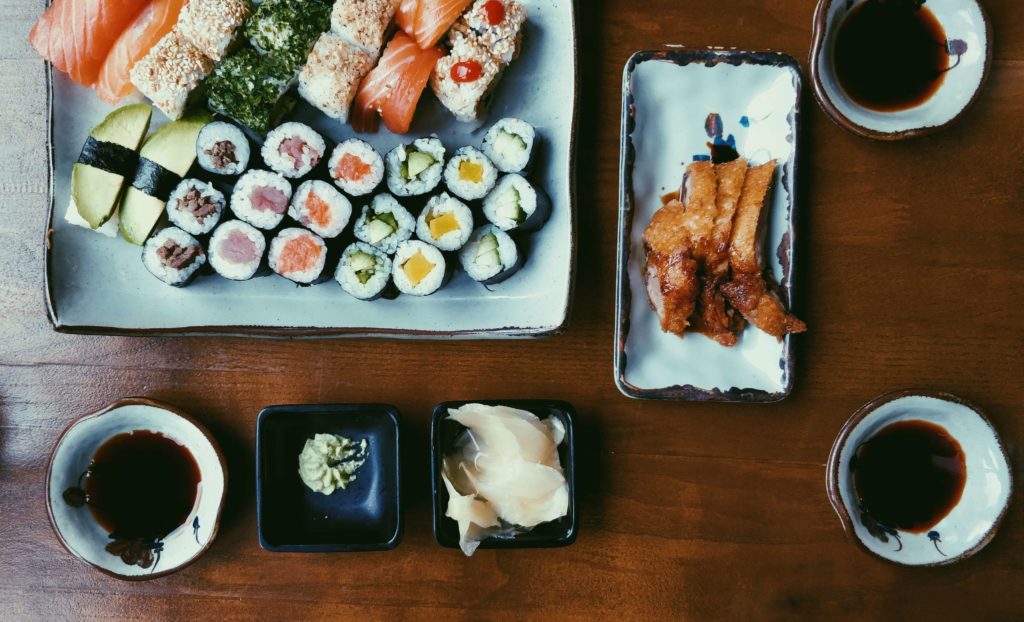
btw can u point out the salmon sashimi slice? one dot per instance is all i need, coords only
(394, 87)
(77, 35)
(114, 82)
(400, 106)
(433, 18)
(406, 16)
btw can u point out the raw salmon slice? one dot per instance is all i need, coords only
(299, 255)
(406, 17)
(394, 87)
(435, 17)
(77, 35)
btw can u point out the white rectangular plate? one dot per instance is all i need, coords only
(668, 97)
(97, 284)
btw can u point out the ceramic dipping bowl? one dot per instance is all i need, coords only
(74, 523)
(972, 522)
(968, 43)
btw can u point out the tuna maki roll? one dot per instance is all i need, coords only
(364, 271)
(509, 144)
(261, 198)
(470, 175)
(236, 250)
(173, 256)
(490, 256)
(418, 269)
(293, 149)
(415, 169)
(515, 205)
(195, 206)
(356, 167)
(298, 255)
(319, 207)
(385, 224)
(445, 222)
(222, 149)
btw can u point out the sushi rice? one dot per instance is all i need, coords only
(356, 167)
(364, 271)
(298, 255)
(490, 256)
(319, 207)
(222, 149)
(415, 169)
(173, 256)
(261, 198)
(385, 224)
(293, 149)
(418, 269)
(515, 205)
(195, 206)
(445, 222)
(470, 174)
(509, 144)
(236, 250)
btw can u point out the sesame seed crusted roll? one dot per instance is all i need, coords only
(211, 25)
(332, 74)
(363, 23)
(170, 72)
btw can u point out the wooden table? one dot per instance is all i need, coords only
(911, 275)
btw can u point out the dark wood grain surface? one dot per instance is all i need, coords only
(910, 274)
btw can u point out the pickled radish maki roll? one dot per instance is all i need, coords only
(470, 174)
(415, 169)
(222, 149)
(515, 205)
(195, 206)
(293, 149)
(261, 198)
(445, 222)
(364, 271)
(356, 167)
(173, 256)
(318, 206)
(385, 224)
(236, 250)
(298, 255)
(509, 144)
(490, 256)
(418, 269)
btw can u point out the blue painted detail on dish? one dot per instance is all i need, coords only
(443, 433)
(365, 517)
(745, 121)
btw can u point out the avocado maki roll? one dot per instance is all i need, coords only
(236, 250)
(195, 206)
(385, 224)
(293, 149)
(418, 269)
(415, 169)
(509, 144)
(515, 205)
(470, 174)
(173, 256)
(222, 149)
(261, 198)
(364, 271)
(445, 222)
(319, 207)
(490, 256)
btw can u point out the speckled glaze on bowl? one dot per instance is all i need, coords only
(968, 42)
(77, 529)
(970, 525)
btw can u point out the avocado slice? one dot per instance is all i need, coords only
(95, 191)
(173, 147)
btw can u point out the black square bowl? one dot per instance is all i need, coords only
(443, 432)
(292, 518)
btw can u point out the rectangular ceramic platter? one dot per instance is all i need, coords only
(667, 98)
(97, 284)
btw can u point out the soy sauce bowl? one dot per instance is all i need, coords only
(968, 43)
(972, 522)
(73, 521)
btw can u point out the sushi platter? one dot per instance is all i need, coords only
(325, 208)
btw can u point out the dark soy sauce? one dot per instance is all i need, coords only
(141, 485)
(909, 475)
(890, 54)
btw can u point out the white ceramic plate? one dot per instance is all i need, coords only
(99, 285)
(667, 99)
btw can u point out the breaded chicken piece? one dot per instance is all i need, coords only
(700, 189)
(718, 320)
(670, 273)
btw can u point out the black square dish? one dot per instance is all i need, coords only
(443, 432)
(291, 517)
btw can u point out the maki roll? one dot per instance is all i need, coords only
(515, 205)
(385, 224)
(418, 269)
(364, 271)
(173, 256)
(321, 209)
(364, 24)
(464, 80)
(490, 256)
(222, 149)
(332, 74)
(261, 198)
(195, 206)
(356, 167)
(445, 222)
(293, 149)
(415, 169)
(298, 255)
(470, 175)
(212, 25)
(236, 250)
(170, 73)
(509, 144)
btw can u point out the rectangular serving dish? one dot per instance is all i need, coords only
(668, 99)
(98, 285)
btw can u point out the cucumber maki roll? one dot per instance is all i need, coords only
(445, 222)
(173, 256)
(364, 271)
(515, 205)
(385, 224)
(195, 206)
(293, 149)
(222, 149)
(236, 250)
(415, 169)
(298, 255)
(509, 144)
(490, 256)
(418, 269)
(470, 175)
(261, 198)
(321, 209)
(356, 167)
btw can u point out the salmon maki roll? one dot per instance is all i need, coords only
(321, 209)
(298, 255)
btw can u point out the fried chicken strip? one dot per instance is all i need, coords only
(671, 270)
(720, 322)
